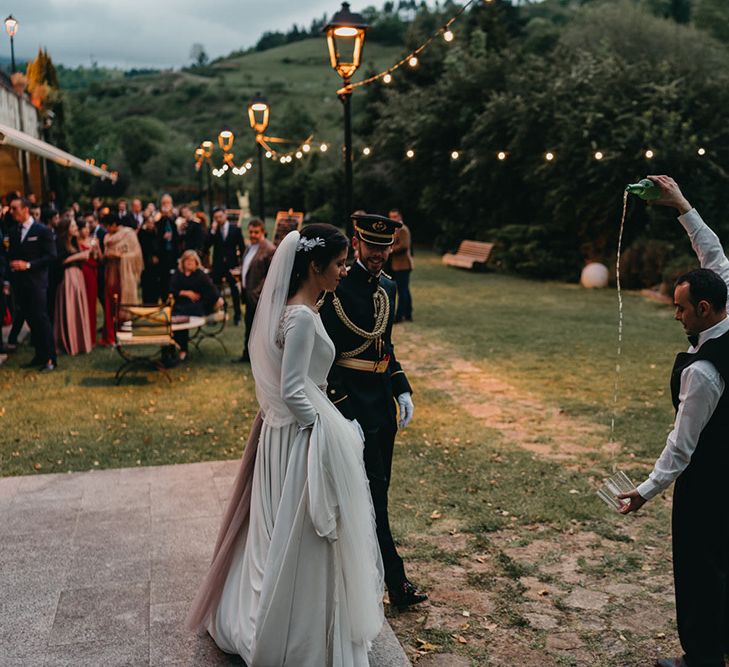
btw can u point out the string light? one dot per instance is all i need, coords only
(410, 153)
(455, 155)
(701, 151)
(299, 155)
(501, 155)
(448, 36)
(366, 150)
(598, 155)
(549, 156)
(269, 154)
(323, 148)
(413, 61)
(649, 154)
(306, 148)
(387, 78)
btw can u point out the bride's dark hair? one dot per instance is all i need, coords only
(320, 254)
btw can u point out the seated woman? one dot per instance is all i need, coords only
(193, 293)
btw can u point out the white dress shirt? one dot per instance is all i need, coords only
(25, 228)
(701, 384)
(247, 259)
(224, 230)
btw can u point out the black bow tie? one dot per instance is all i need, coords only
(694, 340)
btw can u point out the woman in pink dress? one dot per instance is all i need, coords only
(71, 318)
(90, 270)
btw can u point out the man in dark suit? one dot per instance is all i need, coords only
(134, 218)
(32, 251)
(256, 261)
(226, 240)
(4, 280)
(168, 243)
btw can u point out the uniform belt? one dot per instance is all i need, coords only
(363, 365)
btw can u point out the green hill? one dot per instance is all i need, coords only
(148, 126)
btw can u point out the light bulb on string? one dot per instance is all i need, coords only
(283, 160)
(701, 151)
(366, 150)
(248, 165)
(410, 153)
(306, 148)
(649, 154)
(599, 155)
(299, 155)
(387, 78)
(501, 155)
(413, 61)
(269, 154)
(549, 156)
(289, 158)
(448, 36)
(323, 148)
(455, 155)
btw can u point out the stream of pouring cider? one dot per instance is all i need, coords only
(619, 481)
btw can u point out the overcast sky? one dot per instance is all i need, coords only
(150, 33)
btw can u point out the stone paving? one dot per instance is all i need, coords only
(99, 568)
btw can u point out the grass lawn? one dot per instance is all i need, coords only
(492, 494)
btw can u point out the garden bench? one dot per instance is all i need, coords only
(468, 254)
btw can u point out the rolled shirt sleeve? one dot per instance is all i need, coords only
(706, 244)
(701, 388)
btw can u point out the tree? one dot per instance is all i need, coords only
(199, 55)
(712, 16)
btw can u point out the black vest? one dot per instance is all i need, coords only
(711, 455)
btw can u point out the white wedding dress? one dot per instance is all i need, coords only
(304, 587)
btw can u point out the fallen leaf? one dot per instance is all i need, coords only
(436, 515)
(466, 613)
(460, 639)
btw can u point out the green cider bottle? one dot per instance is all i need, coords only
(645, 189)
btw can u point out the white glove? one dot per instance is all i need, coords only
(358, 428)
(405, 401)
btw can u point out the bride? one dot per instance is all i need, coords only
(296, 577)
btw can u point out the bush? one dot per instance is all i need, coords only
(644, 262)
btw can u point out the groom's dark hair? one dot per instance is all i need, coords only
(333, 242)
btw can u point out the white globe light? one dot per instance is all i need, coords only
(448, 36)
(387, 78)
(455, 155)
(594, 275)
(413, 61)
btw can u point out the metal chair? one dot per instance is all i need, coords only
(142, 332)
(213, 328)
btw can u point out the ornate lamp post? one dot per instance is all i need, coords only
(225, 141)
(345, 35)
(258, 110)
(199, 160)
(207, 148)
(11, 27)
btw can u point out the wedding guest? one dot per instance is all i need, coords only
(32, 251)
(149, 243)
(193, 293)
(35, 211)
(256, 261)
(72, 323)
(135, 217)
(696, 455)
(169, 242)
(122, 213)
(124, 265)
(4, 283)
(97, 203)
(226, 240)
(401, 262)
(191, 232)
(90, 270)
(98, 232)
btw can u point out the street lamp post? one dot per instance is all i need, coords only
(11, 27)
(207, 147)
(258, 111)
(199, 160)
(345, 35)
(225, 141)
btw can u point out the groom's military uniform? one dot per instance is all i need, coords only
(366, 378)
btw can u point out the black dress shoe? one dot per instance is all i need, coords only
(48, 368)
(405, 595)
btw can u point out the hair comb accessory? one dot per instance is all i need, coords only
(304, 244)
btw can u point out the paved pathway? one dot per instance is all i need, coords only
(99, 568)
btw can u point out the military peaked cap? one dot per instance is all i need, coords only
(375, 229)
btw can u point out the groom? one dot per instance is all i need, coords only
(696, 454)
(366, 380)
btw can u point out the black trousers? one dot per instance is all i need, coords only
(701, 567)
(248, 319)
(34, 306)
(150, 285)
(404, 299)
(378, 450)
(218, 278)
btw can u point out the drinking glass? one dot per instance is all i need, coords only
(613, 486)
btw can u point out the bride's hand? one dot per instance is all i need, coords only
(357, 427)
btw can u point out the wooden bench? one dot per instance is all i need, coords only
(468, 254)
